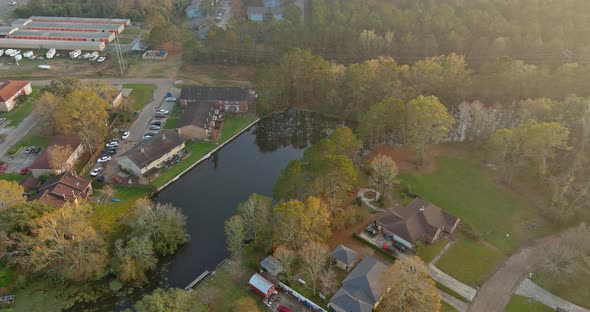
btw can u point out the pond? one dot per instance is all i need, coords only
(210, 193)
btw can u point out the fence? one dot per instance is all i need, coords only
(301, 298)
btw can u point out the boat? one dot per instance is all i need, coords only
(116, 200)
(45, 67)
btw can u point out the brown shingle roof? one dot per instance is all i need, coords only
(62, 188)
(147, 152)
(42, 162)
(416, 221)
(195, 114)
(9, 88)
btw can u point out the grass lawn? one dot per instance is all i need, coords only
(463, 188)
(576, 291)
(105, 216)
(428, 252)
(13, 177)
(197, 150)
(469, 261)
(6, 276)
(22, 110)
(30, 140)
(140, 95)
(171, 123)
(229, 290)
(522, 304)
(445, 307)
(125, 40)
(131, 31)
(450, 291)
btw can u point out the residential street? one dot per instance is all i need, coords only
(17, 133)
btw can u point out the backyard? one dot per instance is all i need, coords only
(22, 110)
(105, 216)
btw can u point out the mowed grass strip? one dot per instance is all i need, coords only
(22, 109)
(141, 94)
(576, 291)
(464, 189)
(522, 304)
(469, 261)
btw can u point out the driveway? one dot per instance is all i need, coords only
(16, 134)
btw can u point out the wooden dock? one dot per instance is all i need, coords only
(197, 280)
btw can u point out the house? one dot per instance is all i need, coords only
(152, 153)
(261, 286)
(201, 120)
(114, 98)
(10, 91)
(229, 99)
(63, 188)
(419, 221)
(263, 14)
(363, 289)
(272, 265)
(193, 11)
(344, 257)
(42, 166)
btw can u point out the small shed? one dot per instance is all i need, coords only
(272, 265)
(344, 257)
(261, 286)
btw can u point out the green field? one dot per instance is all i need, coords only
(105, 216)
(445, 307)
(22, 110)
(576, 291)
(522, 304)
(141, 94)
(171, 123)
(428, 252)
(12, 177)
(463, 188)
(197, 150)
(6, 276)
(30, 140)
(469, 261)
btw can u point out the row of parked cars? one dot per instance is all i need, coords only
(156, 125)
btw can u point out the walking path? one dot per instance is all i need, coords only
(530, 289)
(442, 252)
(17, 133)
(368, 201)
(459, 305)
(453, 284)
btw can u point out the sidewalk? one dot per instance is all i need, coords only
(450, 282)
(530, 289)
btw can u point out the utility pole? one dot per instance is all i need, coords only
(120, 59)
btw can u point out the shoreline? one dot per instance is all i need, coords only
(207, 156)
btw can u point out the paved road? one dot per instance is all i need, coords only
(530, 289)
(17, 133)
(497, 290)
(5, 7)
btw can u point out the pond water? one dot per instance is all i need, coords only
(210, 193)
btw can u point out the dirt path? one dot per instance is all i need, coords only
(498, 289)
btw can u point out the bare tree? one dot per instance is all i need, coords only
(384, 172)
(559, 262)
(328, 282)
(289, 259)
(314, 257)
(58, 156)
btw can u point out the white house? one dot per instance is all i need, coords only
(10, 91)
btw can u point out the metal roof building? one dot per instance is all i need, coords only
(8, 43)
(72, 27)
(62, 35)
(80, 20)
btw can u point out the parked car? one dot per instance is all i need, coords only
(163, 111)
(101, 59)
(399, 246)
(2, 120)
(115, 140)
(282, 308)
(371, 231)
(155, 127)
(148, 135)
(109, 152)
(96, 171)
(100, 179)
(112, 144)
(36, 150)
(170, 99)
(3, 168)
(160, 116)
(125, 135)
(24, 170)
(104, 159)
(156, 123)
(29, 149)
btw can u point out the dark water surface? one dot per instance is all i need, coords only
(209, 194)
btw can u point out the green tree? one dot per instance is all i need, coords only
(11, 193)
(134, 258)
(234, 236)
(255, 213)
(345, 141)
(288, 258)
(290, 183)
(64, 86)
(164, 224)
(169, 300)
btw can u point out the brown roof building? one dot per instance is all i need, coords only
(10, 91)
(63, 188)
(152, 153)
(41, 165)
(201, 120)
(419, 221)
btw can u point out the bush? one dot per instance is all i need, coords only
(470, 231)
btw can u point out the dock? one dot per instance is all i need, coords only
(197, 280)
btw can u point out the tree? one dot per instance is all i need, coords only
(290, 183)
(327, 279)
(314, 257)
(46, 108)
(540, 140)
(64, 86)
(169, 300)
(559, 262)
(134, 258)
(234, 235)
(383, 172)
(58, 156)
(296, 222)
(255, 213)
(245, 304)
(288, 258)
(427, 122)
(412, 289)
(334, 175)
(345, 141)
(164, 224)
(11, 193)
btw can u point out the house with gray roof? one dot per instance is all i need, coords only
(344, 257)
(272, 265)
(152, 153)
(363, 289)
(421, 220)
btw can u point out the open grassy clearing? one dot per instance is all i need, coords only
(6, 276)
(140, 95)
(30, 139)
(105, 216)
(464, 188)
(22, 109)
(428, 252)
(445, 307)
(576, 291)
(469, 261)
(233, 125)
(522, 304)
(171, 123)
(13, 177)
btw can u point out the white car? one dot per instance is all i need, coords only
(163, 111)
(101, 59)
(170, 99)
(96, 171)
(112, 144)
(104, 159)
(148, 136)
(125, 135)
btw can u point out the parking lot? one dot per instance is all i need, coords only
(19, 161)
(288, 301)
